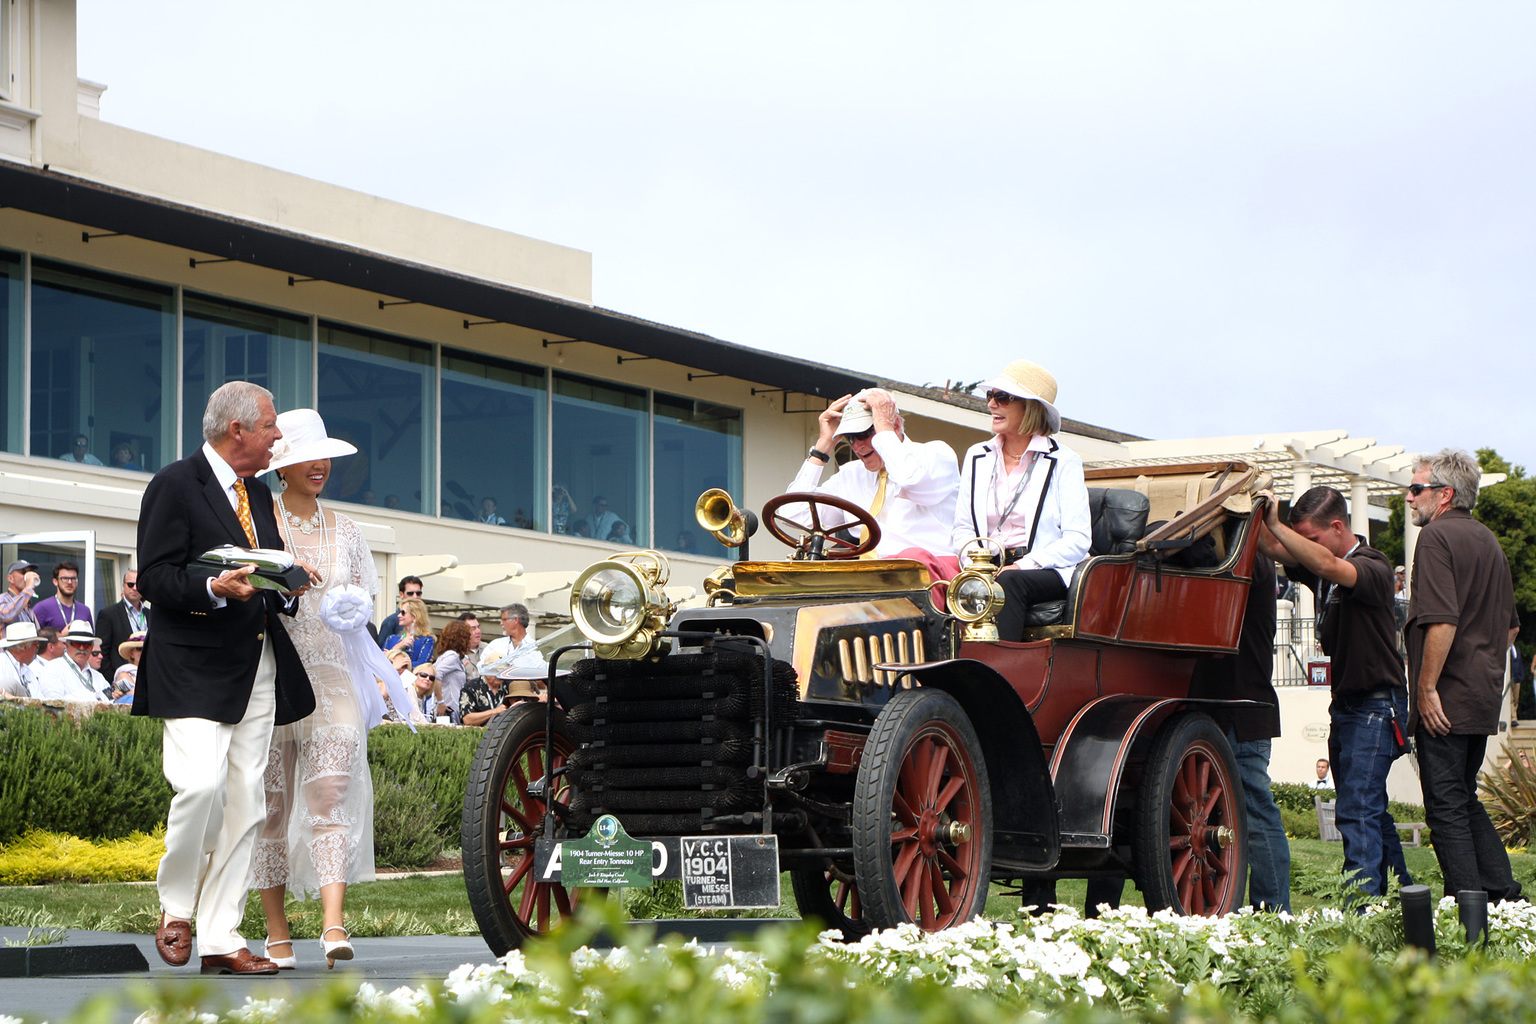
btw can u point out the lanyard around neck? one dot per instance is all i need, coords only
(1018, 491)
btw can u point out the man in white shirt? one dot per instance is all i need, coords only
(1323, 782)
(71, 677)
(17, 652)
(516, 649)
(908, 486)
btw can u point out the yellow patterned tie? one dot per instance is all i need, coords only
(874, 511)
(243, 510)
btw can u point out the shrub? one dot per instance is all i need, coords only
(1298, 797)
(98, 776)
(38, 858)
(1509, 793)
(404, 823)
(434, 762)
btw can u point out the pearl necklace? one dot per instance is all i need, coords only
(305, 526)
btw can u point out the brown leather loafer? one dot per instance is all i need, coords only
(241, 961)
(173, 941)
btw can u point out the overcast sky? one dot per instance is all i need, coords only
(1205, 219)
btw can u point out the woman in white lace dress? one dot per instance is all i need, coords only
(318, 835)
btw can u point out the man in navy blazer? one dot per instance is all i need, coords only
(219, 667)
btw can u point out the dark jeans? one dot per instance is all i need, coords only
(1362, 749)
(1469, 850)
(1041, 894)
(1022, 588)
(1269, 851)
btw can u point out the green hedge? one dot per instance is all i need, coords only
(99, 777)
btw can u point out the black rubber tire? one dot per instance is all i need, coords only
(921, 776)
(508, 904)
(1191, 827)
(831, 896)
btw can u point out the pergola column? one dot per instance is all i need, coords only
(1360, 507)
(1301, 483)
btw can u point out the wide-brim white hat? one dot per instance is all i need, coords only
(18, 633)
(305, 440)
(857, 416)
(78, 632)
(1029, 380)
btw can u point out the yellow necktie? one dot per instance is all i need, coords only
(243, 510)
(874, 510)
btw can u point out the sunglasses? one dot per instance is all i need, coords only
(1002, 397)
(1418, 489)
(424, 675)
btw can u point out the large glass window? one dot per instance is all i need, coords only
(697, 446)
(103, 369)
(600, 460)
(12, 349)
(494, 442)
(377, 392)
(222, 341)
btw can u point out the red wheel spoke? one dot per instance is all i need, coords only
(902, 862)
(1212, 798)
(1180, 842)
(1203, 774)
(527, 824)
(952, 789)
(926, 895)
(906, 835)
(563, 900)
(903, 810)
(941, 891)
(519, 870)
(910, 883)
(954, 867)
(1181, 863)
(938, 760)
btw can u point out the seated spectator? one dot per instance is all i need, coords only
(452, 647)
(71, 677)
(428, 693)
(17, 653)
(51, 649)
(413, 632)
(600, 522)
(488, 512)
(95, 663)
(124, 458)
(81, 452)
(131, 650)
(620, 533)
(516, 648)
(488, 697)
(685, 544)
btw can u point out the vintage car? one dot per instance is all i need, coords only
(892, 758)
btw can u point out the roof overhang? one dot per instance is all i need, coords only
(102, 207)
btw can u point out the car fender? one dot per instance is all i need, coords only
(1024, 811)
(1089, 762)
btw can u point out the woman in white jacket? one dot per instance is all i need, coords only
(1025, 489)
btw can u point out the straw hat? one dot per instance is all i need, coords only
(305, 440)
(18, 633)
(1029, 380)
(133, 643)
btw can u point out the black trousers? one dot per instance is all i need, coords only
(1469, 850)
(1022, 588)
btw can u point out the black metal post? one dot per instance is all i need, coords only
(1418, 917)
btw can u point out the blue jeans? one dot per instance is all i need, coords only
(1269, 852)
(1362, 749)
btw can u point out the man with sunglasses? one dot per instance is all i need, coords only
(908, 486)
(118, 623)
(1357, 629)
(1461, 623)
(410, 586)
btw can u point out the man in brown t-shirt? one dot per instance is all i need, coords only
(1461, 621)
(1357, 629)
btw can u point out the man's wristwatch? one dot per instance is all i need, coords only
(818, 455)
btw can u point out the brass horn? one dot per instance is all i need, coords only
(718, 514)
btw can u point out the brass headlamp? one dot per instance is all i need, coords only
(620, 605)
(974, 596)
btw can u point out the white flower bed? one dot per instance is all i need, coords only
(1124, 958)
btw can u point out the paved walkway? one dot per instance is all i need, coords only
(385, 963)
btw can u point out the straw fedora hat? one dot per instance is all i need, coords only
(305, 440)
(1029, 380)
(133, 643)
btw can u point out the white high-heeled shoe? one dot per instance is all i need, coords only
(284, 963)
(336, 950)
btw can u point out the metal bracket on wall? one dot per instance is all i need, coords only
(632, 359)
(402, 302)
(300, 280)
(478, 323)
(195, 263)
(86, 236)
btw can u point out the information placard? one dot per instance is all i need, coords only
(607, 856)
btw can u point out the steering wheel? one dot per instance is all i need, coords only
(781, 526)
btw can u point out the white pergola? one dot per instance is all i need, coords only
(1366, 472)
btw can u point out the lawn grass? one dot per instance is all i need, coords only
(437, 905)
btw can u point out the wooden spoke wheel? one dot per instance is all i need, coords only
(1191, 826)
(922, 815)
(501, 821)
(831, 896)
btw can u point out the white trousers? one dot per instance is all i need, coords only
(216, 770)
